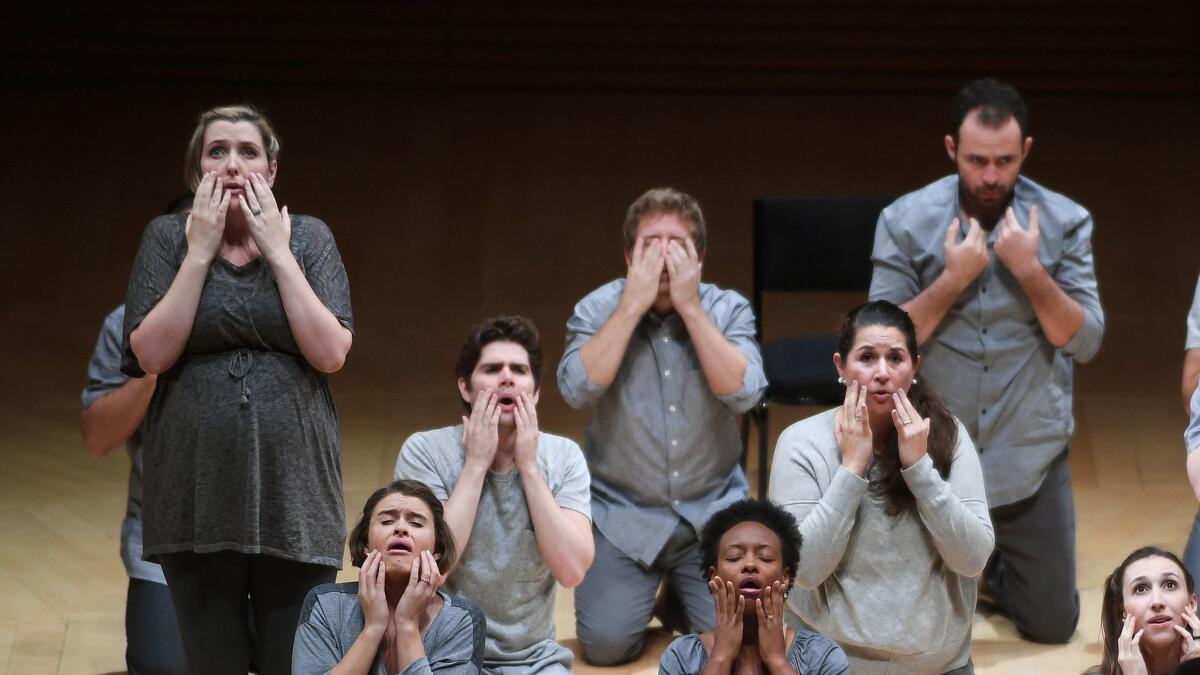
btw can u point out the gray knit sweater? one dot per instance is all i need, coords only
(896, 592)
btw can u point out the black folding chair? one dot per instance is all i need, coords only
(805, 244)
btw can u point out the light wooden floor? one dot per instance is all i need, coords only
(62, 585)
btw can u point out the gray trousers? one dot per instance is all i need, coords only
(1032, 571)
(616, 599)
(153, 645)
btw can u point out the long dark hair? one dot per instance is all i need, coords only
(943, 428)
(1112, 608)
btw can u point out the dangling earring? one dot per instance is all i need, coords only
(841, 380)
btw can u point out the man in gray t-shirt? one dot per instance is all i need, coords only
(517, 500)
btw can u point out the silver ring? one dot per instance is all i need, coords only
(257, 213)
(907, 422)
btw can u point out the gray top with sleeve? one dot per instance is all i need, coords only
(1191, 437)
(241, 449)
(809, 654)
(104, 376)
(332, 619)
(988, 358)
(1193, 321)
(896, 592)
(661, 446)
(500, 567)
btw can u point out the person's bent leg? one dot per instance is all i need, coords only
(208, 591)
(153, 645)
(1035, 545)
(613, 605)
(682, 557)
(277, 591)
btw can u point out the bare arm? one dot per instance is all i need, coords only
(964, 262)
(602, 354)
(564, 536)
(1059, 314)
(159, 340)
(322, 339)
(481, 437)
(113, 418)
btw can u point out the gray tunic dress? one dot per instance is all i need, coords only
(242, 445)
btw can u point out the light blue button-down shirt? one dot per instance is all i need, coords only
(660, 445)
(989, 358)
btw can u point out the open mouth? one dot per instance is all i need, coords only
(1159, 620)
(750, 586)
(399, 546)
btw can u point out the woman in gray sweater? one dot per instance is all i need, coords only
(889, 495)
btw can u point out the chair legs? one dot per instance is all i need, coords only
(758, 417)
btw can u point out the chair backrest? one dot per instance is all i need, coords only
(813, 244)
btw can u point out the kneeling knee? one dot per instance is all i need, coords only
(609, 648)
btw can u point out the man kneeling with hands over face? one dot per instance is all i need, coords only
(516, 499)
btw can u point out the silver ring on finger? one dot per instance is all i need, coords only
(907, 422)
(257, 212)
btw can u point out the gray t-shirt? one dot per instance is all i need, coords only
(896, 592)
(242, 447)
(500, 568)
(332, 619)
(105, 376)
(809, 654)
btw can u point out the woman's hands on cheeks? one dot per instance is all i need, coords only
(727, 636)
(206, 221)
(1129, 651)
(424, 579)
(852, 430)
(912, 430)
(772, 632)
(270, 227)
(371, 593)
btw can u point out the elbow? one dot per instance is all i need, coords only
(96, 446)
(332, 359)
(572, 573)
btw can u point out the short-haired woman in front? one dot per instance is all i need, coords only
(1148, 615)
(889, 495)
(394, 619)
(748, 552)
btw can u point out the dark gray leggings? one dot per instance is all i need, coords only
(212, 594)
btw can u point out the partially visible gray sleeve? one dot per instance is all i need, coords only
(575, 492)
(577, 390)
(1076, 275)
(682, 656)
(826, 518)
(1191, 437)
(315, 649)
(893, 276)
(104, 370)
(154, 270)
(955, 512)
(1193, 321)
(738, 328)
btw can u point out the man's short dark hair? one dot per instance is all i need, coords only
(996, 103)
(516, 329)
(763, 511)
